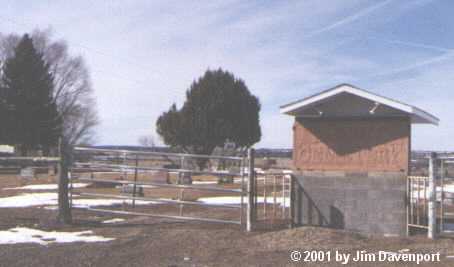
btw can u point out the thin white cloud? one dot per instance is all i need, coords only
(430, 90)
(145, 58)
(413, 44)
(350, 18)
(447, 54)
(417, 65)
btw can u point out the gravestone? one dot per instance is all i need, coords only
(129, 190)
(28, 173)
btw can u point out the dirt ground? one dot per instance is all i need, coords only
(145, 241)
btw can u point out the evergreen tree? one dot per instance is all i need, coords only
(33, 119)
(219, 108)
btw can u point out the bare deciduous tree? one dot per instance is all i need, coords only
(73, 96)
(146, 141)
(72, 86)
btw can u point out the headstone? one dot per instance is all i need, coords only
(184, 178)
(51, 171)
(129, 189)
(225, 179)
(28, 173)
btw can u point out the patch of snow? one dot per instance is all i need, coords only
(51, 199)
(448, 190)
(146, 186)
(88, 203)
(114, 220)
(204, 182)
(137, 186)
(29, 200)
(45, 186)
(28, 235)
(238, 180)
(257, 170)
(236, 200)
(288, 173)
(51, 208)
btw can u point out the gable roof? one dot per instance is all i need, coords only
(417, 115)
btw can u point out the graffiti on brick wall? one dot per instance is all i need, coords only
(352, 145)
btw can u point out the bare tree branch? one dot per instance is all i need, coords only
(146, 141)
(73, 92)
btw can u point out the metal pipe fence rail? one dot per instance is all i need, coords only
(28, 167)
(30, 159)
(120, 151)
(118, 160)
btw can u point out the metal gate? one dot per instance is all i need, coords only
(441, 170)
(135, 178)
(417, 203)
(273, 199)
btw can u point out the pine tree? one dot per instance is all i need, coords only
(33, 120)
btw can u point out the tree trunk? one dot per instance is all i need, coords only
(64, 210)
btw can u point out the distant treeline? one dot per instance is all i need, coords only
(424, 154)
(260, 152)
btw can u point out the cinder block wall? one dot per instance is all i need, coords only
(371, 203)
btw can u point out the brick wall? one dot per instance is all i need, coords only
(373, 144)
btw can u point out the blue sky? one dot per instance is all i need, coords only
(143, 55)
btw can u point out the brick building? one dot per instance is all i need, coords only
(351, 153)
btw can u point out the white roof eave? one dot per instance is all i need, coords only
(426, 117)
(417, 115)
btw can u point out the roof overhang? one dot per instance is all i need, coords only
(351, 95)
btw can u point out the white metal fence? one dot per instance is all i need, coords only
(136, 169)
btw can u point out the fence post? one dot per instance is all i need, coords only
(442, 192)
(135, 181)
(292, 200)
(432, 210)
(250, 191)
(409, 204)
(64, 209)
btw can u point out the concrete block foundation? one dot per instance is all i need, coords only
(370, 203)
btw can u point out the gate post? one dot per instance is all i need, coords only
(442, 196)
(250, 191)
(292, 200)
(432, 210)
